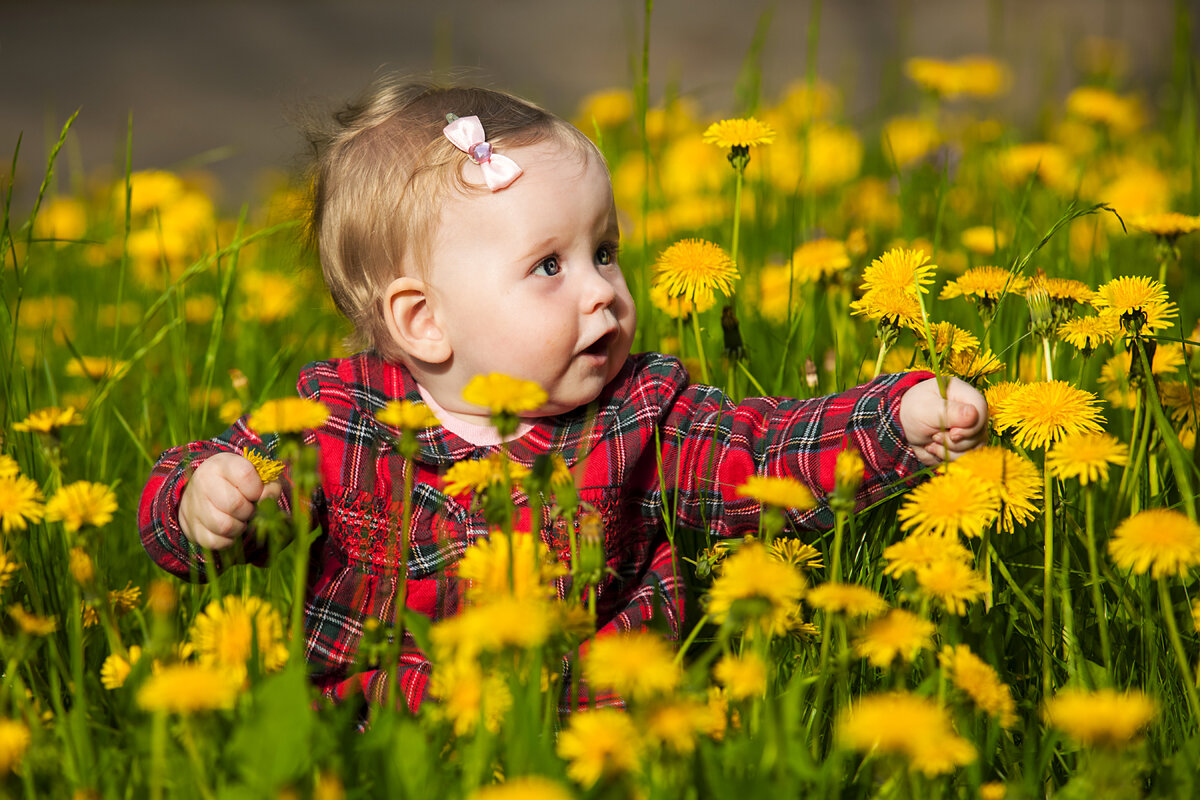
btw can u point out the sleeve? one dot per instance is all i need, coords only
(158, 510)
(711, 446)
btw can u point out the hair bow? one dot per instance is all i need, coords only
(466, 133)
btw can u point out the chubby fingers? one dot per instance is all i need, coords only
(219, 501)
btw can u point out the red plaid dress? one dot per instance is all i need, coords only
(652, 443)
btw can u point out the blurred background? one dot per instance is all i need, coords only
(216, 84)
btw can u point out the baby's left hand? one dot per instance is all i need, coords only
(943, 428)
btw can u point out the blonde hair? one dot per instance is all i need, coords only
(381, 169)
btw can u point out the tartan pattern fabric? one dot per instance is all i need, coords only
(652, 444)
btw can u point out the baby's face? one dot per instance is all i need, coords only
(525, 281)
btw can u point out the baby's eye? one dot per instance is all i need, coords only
(607, 254)
(548, 266)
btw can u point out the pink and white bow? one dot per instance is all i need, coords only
(466, 133)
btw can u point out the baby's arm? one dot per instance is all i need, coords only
(943, 428)
(220, 500)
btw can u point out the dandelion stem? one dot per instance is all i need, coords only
(1048, 586)
(700, 347)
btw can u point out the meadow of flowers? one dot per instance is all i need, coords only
(1023, 623)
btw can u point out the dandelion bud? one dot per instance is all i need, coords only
(1041, 318)
(81, 567)
(848, 472)
(589, 565)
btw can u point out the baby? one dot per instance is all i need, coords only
(465, 231)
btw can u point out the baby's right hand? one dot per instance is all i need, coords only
(219, 500)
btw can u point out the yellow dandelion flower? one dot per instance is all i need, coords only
(49, 420)
(695, 269)
(189, 688)
(953, 583)
(905, 724)
(899, 270)
(848, 472)
(477, 475)
(1086, 456)
(96, 367)
(993, 790)
(974, 76)
(677, 307)
(1123, 115)
(407, 416)
(1181, 400)
(979, 680)
(268, 469)
(229, 633)
(818, 259)
(914, 553)
(901, 634)
(1016, 479)
(744, 677)
(526, 787)
(778, 492)
(607, 108)
(20, 503)
(983, 240)
(851, 599)
(503, 623)
(898, 308)
(730, 133)
(1167, 225)
(949, 338)
(1196, 615)
(14, 741)
(1115, 375)
(906, 139)
(127, 599)
(674, 724)
(288, 415)
(9, 468)
(502, 394)
(116, 668)
(1044, 412)
(61, 219)
(599, 743)
(268, 296)
(466, 696)
(1051, 163)
(1158, 540)
(1102, 717)
(1087, 333)
(1139, 302)
(81, 504)
(32, 624)
(948, 505)
(753, 586)
(796, 553)
(636, 665)
(999, 400)
(79, 564)
(1068, 291)
(985, 283)
(519, 565)
(971, 365)
(8, 568)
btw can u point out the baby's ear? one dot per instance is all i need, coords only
(412, 322)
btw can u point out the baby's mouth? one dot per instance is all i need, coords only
(600, 346)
